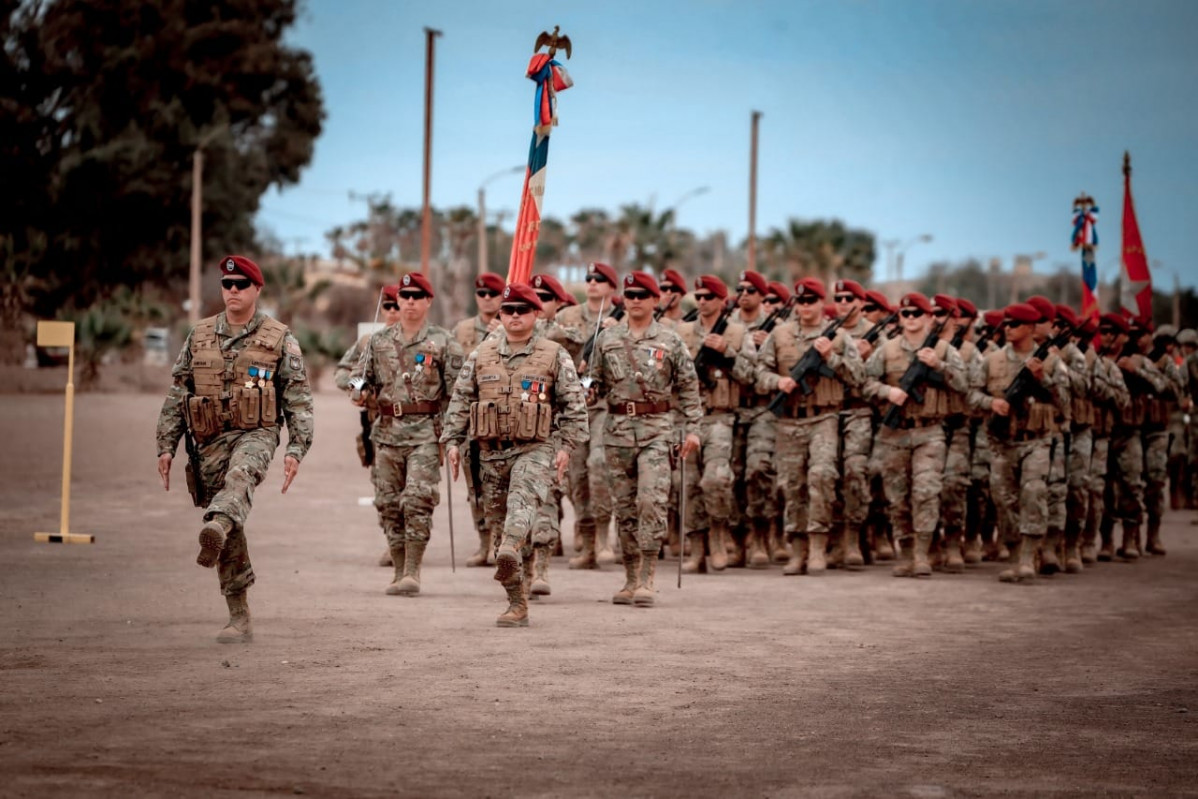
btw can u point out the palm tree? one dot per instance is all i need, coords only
(827, 250)
(592, 229)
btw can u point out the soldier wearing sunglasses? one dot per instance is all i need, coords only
(239, 376)
(1157, 352)
(857, 434)
(1111, 400)
(410, 370)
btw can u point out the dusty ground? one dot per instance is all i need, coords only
(745, 684)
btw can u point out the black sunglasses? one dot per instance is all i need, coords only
(1015, 323)
(516, 310)
(1108, 331)
(808, 300)
(412, 295)
(672, 289)
(911, 314)
(488, 293)
(772, 300)
(746, 289)
(239, 283)
(595, 279)
(546, 296)
(704, 296)
(871, 308)
(636, 294)
(845, 297)
(939, 313)
(390, 306)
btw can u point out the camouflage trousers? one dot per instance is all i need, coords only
(1156, 473)
(1058, 483)
(590, 490)
(407, 487)
(1077, 502)
(1019, 485)
(473, 494)
(548, 527)
(912, 463)
(807, 472)
(709, 475)
(757, 430)
(515, 484)
(958, 472)
(233, 464)
(640, 489)
(1096, 485)
(1126, 474)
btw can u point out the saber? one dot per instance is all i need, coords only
(682, 514)
(358, 383)
(453, 565)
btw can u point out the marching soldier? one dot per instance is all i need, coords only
(1188, 341)
(1112, 401)
(239, 374)
(876, 309)
(673, 289)
(856, 432)
(750, 470)
(1156, 432)
(519, 396)
(957, 467)
(642, 371)
(1079, 434)
(984, 523)
(763, 499)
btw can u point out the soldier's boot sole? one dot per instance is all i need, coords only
(512, 619)
(539, 587)
(644, 598)
(408, 586)
(624, 595)
(212, 541)
(507, 565)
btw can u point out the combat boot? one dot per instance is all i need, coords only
(479, 558)
(398, 556)
(1011, 573)
(1073, 557)
(777, 543)
(1154, 545)
(906, 557)
(212, 539)
(586, 558)
(1049, 563)
(835, 557)
(1106, 530)
(921, 566)
(853, 559)
(952, 561)
(409, 585)
(798, 557)
(632, 565)
(883, 549)
(516, 614)
(1027, 558)
(1130, 550)
(817, 560)
(539, 583)
(694, 562)
(759, 558)
(717, 543)
(238, 630)
(645, 596)
(736, 548)
(508, 563)
(385, 559)
(973, 551)
(604, 553)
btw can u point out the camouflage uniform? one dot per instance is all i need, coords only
(234, 459)
(754, 436)
(341, 379)
(808, 431)
(1127, 452)
(709, 478)
(1190, 376)
(469, 334)
(912, 455)
(1080, 451)
(1111, 399)
(1156, 447)
(857, 440)
(958, 469)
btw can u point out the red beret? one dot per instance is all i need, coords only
(489, 280)
(550, 284)
(1116, 321)
(1023, 312)
(416, 280)
(779, 289)
(1066, 313)
(879, 299)
(239, 264)
(756, 280)
(947, 303)
(1140, 325)
(674, 278)
(391, 292)
(642, 280)
(916, 300)
(521, 293)
(1047, 310)
(713, 284)
(851, 286)
(605, 272)
(993, 318)
(830, 311)
(1090, 328)
(810, 285)
(570, 300)
(967, 308)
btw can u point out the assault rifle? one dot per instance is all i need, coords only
(779, 314)
(811, 362)
(874, 332)
(691, 315)
(367, 444)
(959, 337)
(661, 309)
(708, 358)
(192, 472)
(987, 333)
(617, 313)
(1025, 386)
(918, 373)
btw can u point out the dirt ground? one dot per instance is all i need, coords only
(742, 684)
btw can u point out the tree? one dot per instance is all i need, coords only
(827, 250)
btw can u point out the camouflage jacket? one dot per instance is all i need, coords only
(651, 367)
(1055, 380)
(844, 360)
(402, 372)
(348, 362)
(470, 333)
(582, 320)
(569, 430)
(952, 368)
(569, 337)
(291, 386)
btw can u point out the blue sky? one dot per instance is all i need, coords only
(975, 122)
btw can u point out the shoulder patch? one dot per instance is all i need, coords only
(293, 347)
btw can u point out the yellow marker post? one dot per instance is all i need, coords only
(62, 334)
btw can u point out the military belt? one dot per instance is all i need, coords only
(408, 408)
(910, 422)
(638, 408)
(497, 445)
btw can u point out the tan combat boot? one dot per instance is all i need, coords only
(1154, 545)
(212, 539)
(1049, 563)
(539, 579)
(480, 556)
(777, 543)
(834, 559)
(508, 563)
(1027, 558)
(1073, 557)
(717, 546)
(586, 558)
(645, 596)
(632, 565)
(922, 567)
(798, 556)
(952, 561)
(398, 553)
(1106, 533)
(1011, 573)
(238, 630)
(883, 549)
(973, 550)
(694, 563)
(759, 558)
(735, 548)
(604, 552)
(1130, 550)
(853, 559)
(409, 584)
(516, 614)
(906, 558)
(817, 546)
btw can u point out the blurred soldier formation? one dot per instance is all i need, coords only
(811, 427)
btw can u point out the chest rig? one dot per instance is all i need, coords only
(829, 391)
(720, 392)
(1034, 418)
(234, 390)
(514, 403)
(896, 361)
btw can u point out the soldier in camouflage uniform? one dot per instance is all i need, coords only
(389, 314)
(982, 521)
(808, 427)
(1111, 401)
(238, 373)
(642, 371)
(1188, 340)
(519, 396)
(912, 453)
(763, 498)
(725, 367)
(1081, 439)
(669, 314)
(410, 370)
(1156, 432)
(877, 310)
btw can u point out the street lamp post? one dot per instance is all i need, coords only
(482, 214)
(898, 259)
(197, 210)
(695, 192)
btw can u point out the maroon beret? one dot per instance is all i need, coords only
(1023, 312)
(779, 289)
(756, 280)
(946, 303)
(240, 265)
(1115, 320)
(552, 285)
(916, 300)
(1090, 328)
(713, 284)
(968, 309)
(604, 271)
(830, 311)
(993, 318)
(521, 293)
(489, 280)
(416, 280)
(1139, 325)
(1047, 310)
(642, 280)
(391, 292)
(879, 299)
(1066, 313)
(851, 286)
(810, 285)
(674, 278)
(570, 300)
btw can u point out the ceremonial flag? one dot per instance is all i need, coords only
(1085, 238)
(1136, 296)
(551, 78)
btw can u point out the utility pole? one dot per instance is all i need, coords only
(752, 255)
(197, 212)
(426, 223)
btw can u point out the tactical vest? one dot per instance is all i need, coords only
(1083, 412)
(413, 377)
(720, 392)
(1035, 418)
(234, 391)
(1159, 407)
(466, 335)
(956, 401)
(1104, 410)
(514, 404)
(829, 392)
(896, 362)
(1137, 410)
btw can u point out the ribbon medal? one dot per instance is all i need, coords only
(420, 362)
(526, 385)
(253, 373)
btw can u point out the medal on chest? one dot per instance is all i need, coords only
(262, 374)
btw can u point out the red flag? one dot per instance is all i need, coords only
(1136, 296)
